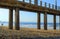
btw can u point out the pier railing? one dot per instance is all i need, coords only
(35, 2)
(41, 3)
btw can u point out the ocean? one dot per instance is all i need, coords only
(33, 25)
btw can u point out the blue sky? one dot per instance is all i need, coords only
(26, 16)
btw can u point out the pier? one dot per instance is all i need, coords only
(22, 5)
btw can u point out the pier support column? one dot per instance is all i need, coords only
(17, 19)
(38, 20)
(36, 2)
(23, 0)
(54, 22)
(59, 22)
(10, 18)
(45, 21)
(30, 1)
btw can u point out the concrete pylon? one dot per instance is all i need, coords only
(17, 19)
(38, 20)
(36, 2)
(54, 22)
(10, 18)
(45, 21)
(59, 22)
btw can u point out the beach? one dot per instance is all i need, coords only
(28, 33)
(29, 19)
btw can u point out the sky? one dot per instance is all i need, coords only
(26, 16)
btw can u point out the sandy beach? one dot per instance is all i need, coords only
(28, 33)
(36, 19)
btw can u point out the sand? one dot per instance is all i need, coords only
(28, 33)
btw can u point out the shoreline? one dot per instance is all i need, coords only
(42, 27)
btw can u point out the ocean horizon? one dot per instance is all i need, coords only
(32, 25)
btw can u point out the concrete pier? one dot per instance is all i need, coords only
(54, 22)
(38, 20)
(36, 2)
(59, 22)
(45, 21)
(10, 18)
(23, 5)
(17, 27)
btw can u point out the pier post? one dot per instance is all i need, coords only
(38, 20)
(54, 22)
(17, 19)
(49, 5)
(10, 18)
(59, 22)
(36, 2)
(30, 1)
(52, 6)
(45, 21)
(40, 3)
(23, 0)
(45, 4)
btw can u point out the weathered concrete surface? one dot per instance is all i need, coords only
(17, 27)
(38, 20)
(28, 7)
(45, 21)
(11, 18)
(54, 22)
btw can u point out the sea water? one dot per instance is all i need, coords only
(33, 25)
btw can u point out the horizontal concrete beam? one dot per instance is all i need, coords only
(29, 7)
